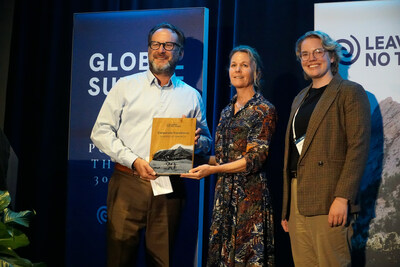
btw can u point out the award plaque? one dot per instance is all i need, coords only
(172, 145)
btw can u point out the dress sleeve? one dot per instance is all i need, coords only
(259, 137)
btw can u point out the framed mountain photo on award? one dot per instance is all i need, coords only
(172, 145)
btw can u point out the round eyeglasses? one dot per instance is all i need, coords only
(167, 45)
(317, 53)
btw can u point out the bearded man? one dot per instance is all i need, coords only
(123, 131)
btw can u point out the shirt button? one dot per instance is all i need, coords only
(320, 163)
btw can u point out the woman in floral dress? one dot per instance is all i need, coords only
(241, 233)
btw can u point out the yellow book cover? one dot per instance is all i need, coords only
(172, 145)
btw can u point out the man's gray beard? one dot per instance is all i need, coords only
(166, 69)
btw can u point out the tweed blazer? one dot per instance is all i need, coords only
(335, 149)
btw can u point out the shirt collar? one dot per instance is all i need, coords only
(173, 81)
(253, 99)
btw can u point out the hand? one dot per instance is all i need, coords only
(198, 172)
(143, 168)
(285, 225)
(197, 135)
(338, 212)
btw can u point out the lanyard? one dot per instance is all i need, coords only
(294, 118)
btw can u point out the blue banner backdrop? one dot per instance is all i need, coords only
(107, 46)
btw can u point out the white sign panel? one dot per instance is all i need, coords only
(369, 32)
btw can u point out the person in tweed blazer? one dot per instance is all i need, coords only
(326, 149)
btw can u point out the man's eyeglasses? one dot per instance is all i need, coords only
(169, 46)
(317, 53)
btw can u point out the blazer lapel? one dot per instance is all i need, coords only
(320, 111)
(296, 104)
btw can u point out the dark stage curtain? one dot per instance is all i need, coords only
(37, 111)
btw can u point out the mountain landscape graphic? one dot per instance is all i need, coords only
(173, 154)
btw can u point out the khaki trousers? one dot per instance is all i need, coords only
(314, 242)
(132, 207)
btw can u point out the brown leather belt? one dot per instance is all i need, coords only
(124, 169)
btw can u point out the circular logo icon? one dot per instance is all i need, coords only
(102, 214)
(350, 50)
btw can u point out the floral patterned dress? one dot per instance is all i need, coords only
(241, 233)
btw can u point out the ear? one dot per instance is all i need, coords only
(181, 53)
(332, 59)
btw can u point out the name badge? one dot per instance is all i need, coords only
(299, 143)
